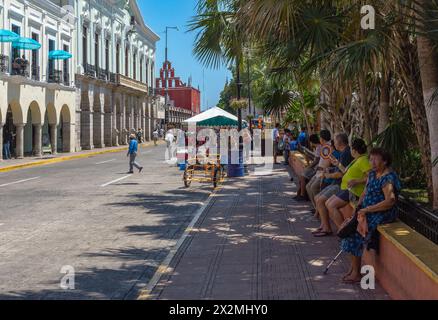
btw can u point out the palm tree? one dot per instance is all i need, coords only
(218, 41)
(327, 35)
(428, 60)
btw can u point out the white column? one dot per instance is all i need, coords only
(37, 141)
(19, 149)
(54, 138)
(1, 142)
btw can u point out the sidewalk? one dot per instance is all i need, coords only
(14, 164)
(253, 242)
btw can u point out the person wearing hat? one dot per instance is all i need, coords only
(132, 154)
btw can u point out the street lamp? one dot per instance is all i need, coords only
(248, 51)
(166, 76)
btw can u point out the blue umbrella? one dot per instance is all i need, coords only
(8, 36)
(59, 55)
(26, 44)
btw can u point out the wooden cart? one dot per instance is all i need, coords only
(210, 172)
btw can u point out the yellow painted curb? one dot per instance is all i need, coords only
(67, 158)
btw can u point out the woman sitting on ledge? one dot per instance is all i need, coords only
(377, 206)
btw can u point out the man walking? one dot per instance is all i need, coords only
(169, 141)
(132, 154)
(155, 137)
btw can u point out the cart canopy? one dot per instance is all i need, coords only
(215, 117)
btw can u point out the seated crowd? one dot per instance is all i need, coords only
(343, 175)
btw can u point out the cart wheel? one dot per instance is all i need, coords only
(187, 179)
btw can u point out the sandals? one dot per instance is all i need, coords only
(317, 230)
(351, 281)
(322, 234)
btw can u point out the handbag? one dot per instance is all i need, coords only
(349, 227)
(281, 145)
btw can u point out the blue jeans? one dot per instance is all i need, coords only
(7, 150)
(286, 156)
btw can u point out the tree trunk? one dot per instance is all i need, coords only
(407, 68)
(428, 60)
(385, 96)
(364, 108)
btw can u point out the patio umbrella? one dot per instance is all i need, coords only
(59, 55)
(26, 44)
(8, 36)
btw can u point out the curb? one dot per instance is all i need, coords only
(67, 158)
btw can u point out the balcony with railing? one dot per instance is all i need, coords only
(4, 64)
(55, 76)
(35, 75)
(66, 78)
(102, 74)
(90, 70)
(113, 78)
(20, 67)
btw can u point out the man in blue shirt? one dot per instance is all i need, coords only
(132, 154)
(302, 138)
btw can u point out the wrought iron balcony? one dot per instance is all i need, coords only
(102, 74)
(67, 79)
(20, 67)
(4, 64)
(36, 73)
(55, 76)
(90, 70)
(113, 78)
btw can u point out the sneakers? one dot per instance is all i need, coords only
(140, 170)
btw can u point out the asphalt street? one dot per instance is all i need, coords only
(113, 229)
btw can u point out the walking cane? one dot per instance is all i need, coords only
(333, 262)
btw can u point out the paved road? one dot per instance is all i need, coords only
(70, 214)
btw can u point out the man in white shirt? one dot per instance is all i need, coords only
(169, 141)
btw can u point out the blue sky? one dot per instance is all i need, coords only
(161, 13)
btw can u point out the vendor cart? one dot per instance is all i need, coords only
(211, 171)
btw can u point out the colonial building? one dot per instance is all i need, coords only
(37, 94)
(115, 72)
(184, 100)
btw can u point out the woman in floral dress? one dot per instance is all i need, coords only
(377, 206)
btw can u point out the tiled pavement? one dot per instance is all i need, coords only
(254, 242)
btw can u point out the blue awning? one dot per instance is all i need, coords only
(26, 44)
(59, 55)
(8, 36)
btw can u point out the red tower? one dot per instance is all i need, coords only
(184, 96)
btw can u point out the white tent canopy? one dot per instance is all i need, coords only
(210, 114)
